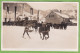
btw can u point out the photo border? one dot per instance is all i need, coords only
(42, 51)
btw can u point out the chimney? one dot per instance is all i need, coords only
(31, 11)
(60, 11)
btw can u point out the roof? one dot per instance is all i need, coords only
(74, 21)
(62, 15)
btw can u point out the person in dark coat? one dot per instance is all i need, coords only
(45, 31)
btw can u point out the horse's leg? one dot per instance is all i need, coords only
(23, 33)
(40, 36)
(47, 35)
(28, 35)
(43, 36)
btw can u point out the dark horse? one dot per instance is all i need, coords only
(44, 29)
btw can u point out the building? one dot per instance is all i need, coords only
(56, 18)
(11, 11)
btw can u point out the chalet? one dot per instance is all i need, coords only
(56, 18)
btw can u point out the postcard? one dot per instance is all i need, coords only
(39, 26)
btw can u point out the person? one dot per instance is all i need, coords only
(45, 31)
(26, 30)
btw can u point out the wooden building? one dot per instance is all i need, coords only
(56, 18)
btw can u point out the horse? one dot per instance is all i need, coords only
(26, 30)
(45, 31)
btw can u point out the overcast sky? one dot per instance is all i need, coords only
(53, 5)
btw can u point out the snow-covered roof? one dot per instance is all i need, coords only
(74, 21)
(62, 15)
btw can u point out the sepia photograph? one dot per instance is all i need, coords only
(39, 26)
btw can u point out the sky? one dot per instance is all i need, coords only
(53, 5)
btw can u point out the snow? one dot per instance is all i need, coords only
(74, 21)
(62, 15)
(59, 39)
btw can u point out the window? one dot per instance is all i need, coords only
(51, 16)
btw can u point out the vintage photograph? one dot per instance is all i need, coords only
(39, 26)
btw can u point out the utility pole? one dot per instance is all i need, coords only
(38, 16)
(7, 12)
(23, 10)
(15, 12)
(8, 8)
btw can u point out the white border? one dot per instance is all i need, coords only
(38, 49)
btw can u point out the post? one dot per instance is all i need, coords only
(23, 10)
(6, 15)
(15, 12)
(5, 19)
(38, 16)
(8, 9)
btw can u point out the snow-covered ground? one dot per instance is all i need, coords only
(59, 39)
